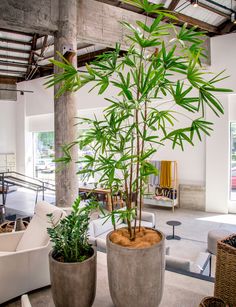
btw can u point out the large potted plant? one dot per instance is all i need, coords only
(160, 81)
(72, 262)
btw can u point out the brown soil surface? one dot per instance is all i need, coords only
(144, 238)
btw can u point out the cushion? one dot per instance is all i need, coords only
(101, 226)
(177, 263)
(143, 223)
(36, 233)
(148, 217)
(215, 235)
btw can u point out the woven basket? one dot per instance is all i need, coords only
(10, 226)
(7, 227)
(212, 301)
(225, 280)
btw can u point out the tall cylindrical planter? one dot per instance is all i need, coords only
(136, 275)
(73, 284)
(225, 280)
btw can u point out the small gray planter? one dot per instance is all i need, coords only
(73, 284)
(136, 276)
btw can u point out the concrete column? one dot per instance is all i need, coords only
(65, 109)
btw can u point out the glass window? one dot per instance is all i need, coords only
(44, 167)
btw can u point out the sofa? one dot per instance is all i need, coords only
(99, 228)
(24, 264)
(200, 265)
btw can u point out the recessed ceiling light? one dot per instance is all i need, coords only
(194, 3)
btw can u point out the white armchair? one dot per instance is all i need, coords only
(24, 255)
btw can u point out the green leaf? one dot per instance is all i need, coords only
(198, 126)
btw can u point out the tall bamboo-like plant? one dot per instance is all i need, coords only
(160, 79)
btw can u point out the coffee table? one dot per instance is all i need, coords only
(173, 236)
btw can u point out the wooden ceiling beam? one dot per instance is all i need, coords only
(81, 61)
(196, 22)
(30, 72)
(15, 50)
(227, 27)
(8, 80)
(173, 5)
(181, 17)
(89, 57)
(13, 41)
(31, 57)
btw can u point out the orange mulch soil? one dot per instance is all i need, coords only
(144, 238)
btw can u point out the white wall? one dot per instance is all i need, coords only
(7, 126)
(217, 162)
(223, 57)
(42, 99)
(218, 146)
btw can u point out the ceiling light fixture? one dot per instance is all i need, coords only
(194, 3)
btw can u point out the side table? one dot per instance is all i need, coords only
(173, 236)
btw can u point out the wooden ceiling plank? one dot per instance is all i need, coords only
(13, 64)
(13, 41)
(15, 50)
(14, 58)
(15, 32)
(213, 10)
(11, 71)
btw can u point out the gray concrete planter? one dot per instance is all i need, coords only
(136, 276)
(73, 284)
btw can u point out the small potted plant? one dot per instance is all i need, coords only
(72, 261)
